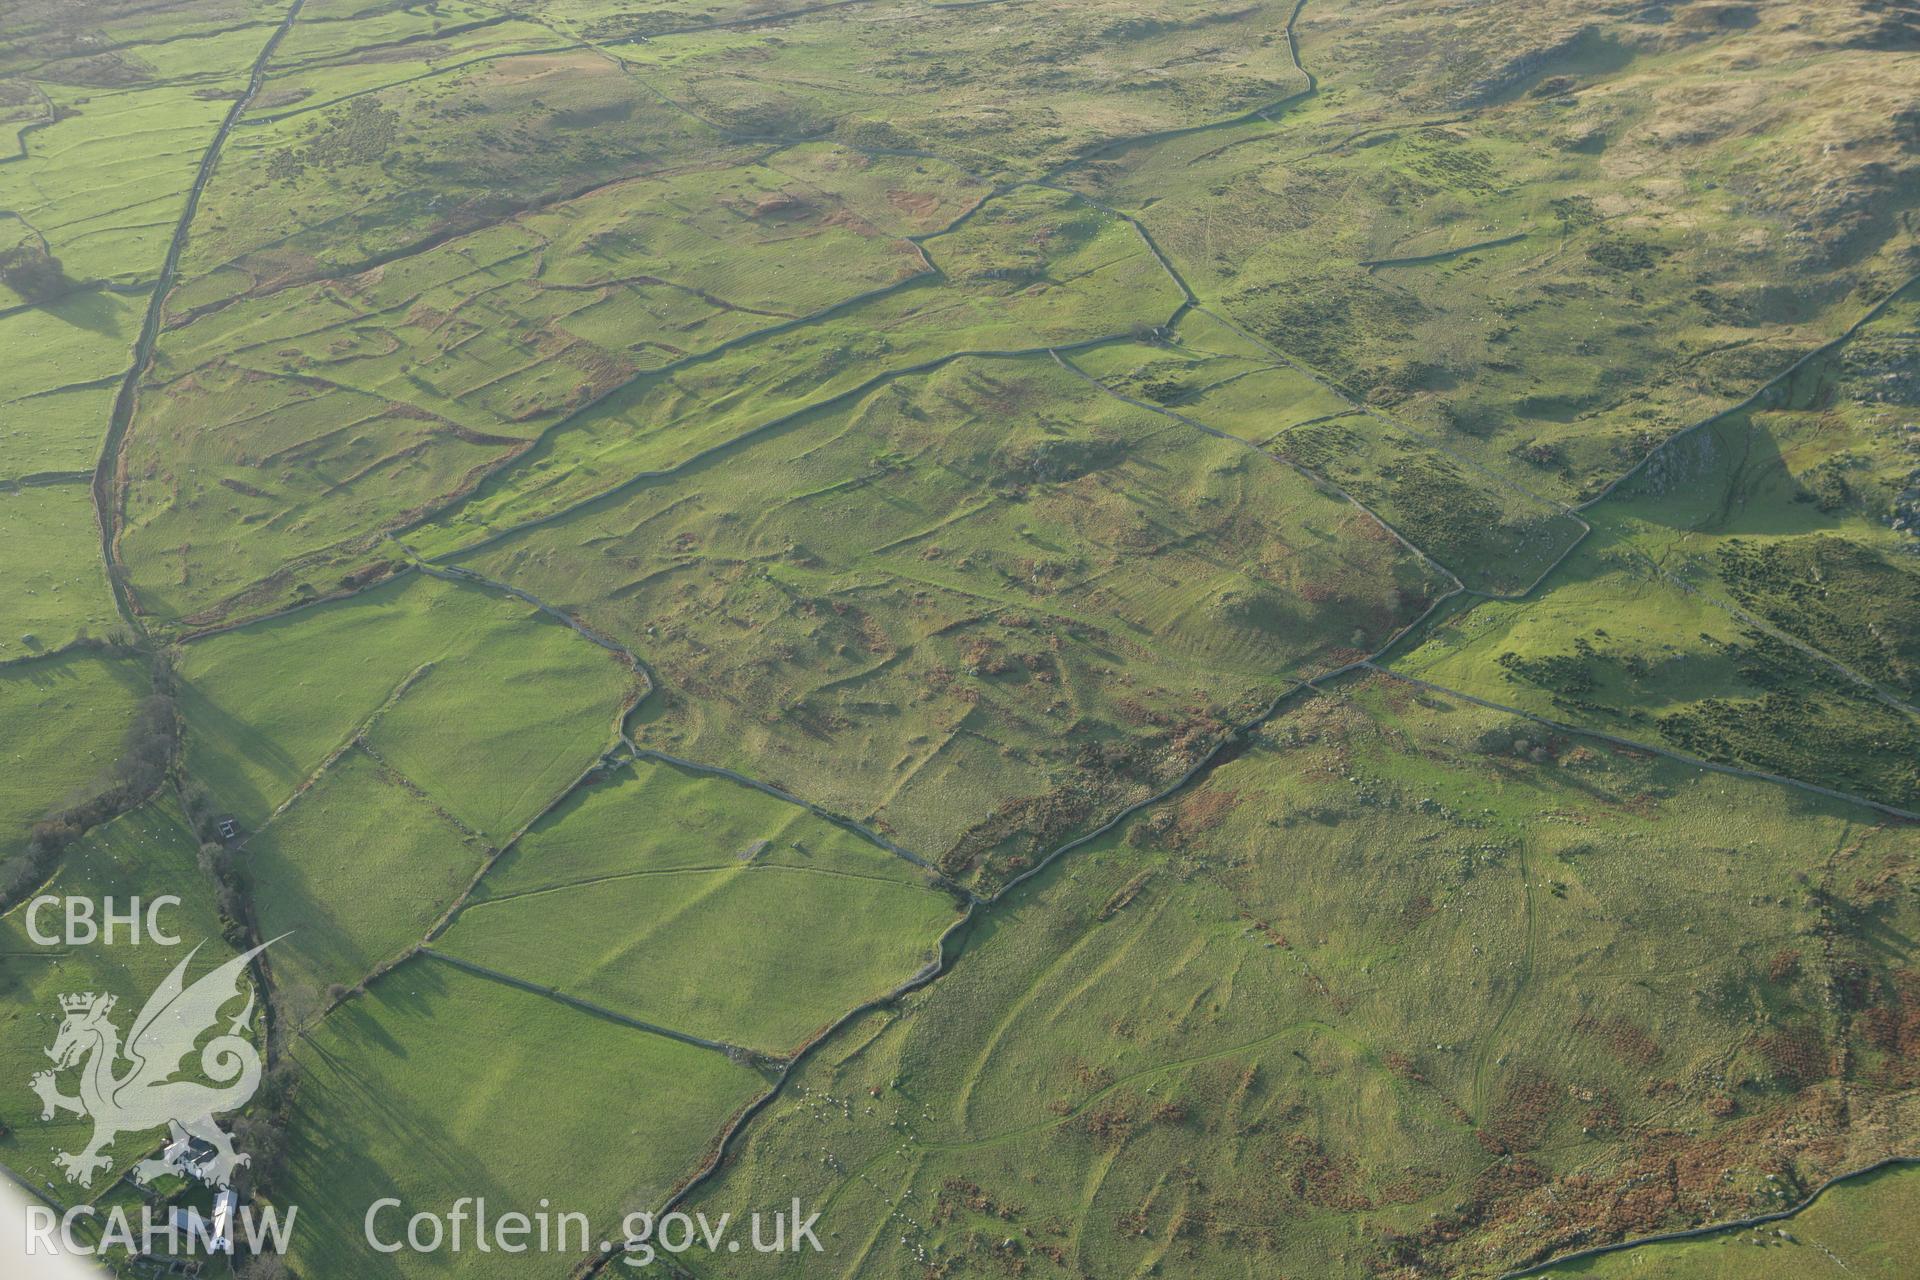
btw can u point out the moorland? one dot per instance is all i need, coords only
(1105, 638)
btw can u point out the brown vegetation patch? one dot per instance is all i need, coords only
(1203, 810)
(1784, 966)
(915, 203)
(1320, 1179)
(1629, 1042)
(1525, 1111)
(1893, 1027)
(1797, 1055)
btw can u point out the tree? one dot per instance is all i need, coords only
(33, 273)
(266, 1266)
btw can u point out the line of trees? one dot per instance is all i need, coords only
(261, 1132)
(143, 763)
(147, 759)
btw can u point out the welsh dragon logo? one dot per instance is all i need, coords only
(145, 1096)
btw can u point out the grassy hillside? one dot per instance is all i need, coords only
(664, 525)
(375, 1117)
(701, 905)
(984, 637)
(482, 697)
(1749, 596)
(1399, 990)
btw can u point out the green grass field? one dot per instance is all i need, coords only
(63, 359)
(1491, 534)
(268, 703)
(758, 957)
(376, 1117)
(662, 524)
(1552, 258)
(702, 906)
(108, 145)
(143, 854)
(60, 734)
(648, 817)
(54, 591)
(1031, 270)
(449, 364)
(353, 876)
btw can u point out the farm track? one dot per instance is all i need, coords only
(107, 475)
(1477, 1081)
(1443, 255)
